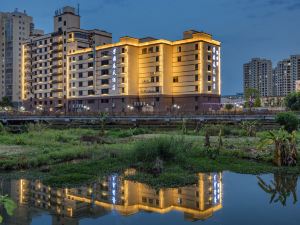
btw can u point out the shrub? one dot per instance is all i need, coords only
(164, 148)
(288, 120)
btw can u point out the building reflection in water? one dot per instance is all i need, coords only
(68, 206)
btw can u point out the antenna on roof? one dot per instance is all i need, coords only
(78, 9)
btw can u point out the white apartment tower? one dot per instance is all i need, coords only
(15, 27)
(258, 75)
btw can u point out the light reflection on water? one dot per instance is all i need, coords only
(217, 198)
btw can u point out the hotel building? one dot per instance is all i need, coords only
(15, 27)
(45, 60)
(132, 75)
(148, 74)
(68, 206)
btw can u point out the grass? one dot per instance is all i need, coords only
(59, 158)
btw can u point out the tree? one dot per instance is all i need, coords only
(251, 95)
(103, 118)
(229, 107)
(5, 102)
(292, 101)
(285, 151)
(249, 127)
(288, 120)
(257, 102)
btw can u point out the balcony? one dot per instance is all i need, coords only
(57, 74)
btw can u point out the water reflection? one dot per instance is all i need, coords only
(281, 188)
(68, 206)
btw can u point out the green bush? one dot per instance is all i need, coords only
(165, 148)
(288, 120)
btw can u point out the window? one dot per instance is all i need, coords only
(90, 92)
(175, 79)
(157, 69)
(123, 80)
(123, 69)
(123, 50)
(209, 88)
(208, 78)
(196, 108)
(151, 50)
(123, 90)
(59, 19)
(123, 59)
(80, 84)
(157, 78)
(196, 77)
(196, 46)
(90, 83)
(105, 81)
(208, 48)
(90, 74)
(104, 62)
(196, 57)
(208, 67)
(90, 64)
(144, 51)
(157, 48)
(179, 59)
(80, 66)
(196, 66)
(80, 93)
(156, 89)
(196, 88)
(105, 100)
(157, 58)
(104, 72)
(208, 57)
(104, 91)
(179, 49)
(80, 75)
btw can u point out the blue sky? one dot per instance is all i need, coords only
(246, 28)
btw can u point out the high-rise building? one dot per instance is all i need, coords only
(286, 73)
(15, 27)
(135, 75)
(45, 60)
(258, 75)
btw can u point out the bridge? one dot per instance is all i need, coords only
(19, 119)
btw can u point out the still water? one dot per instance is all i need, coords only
(217, 198)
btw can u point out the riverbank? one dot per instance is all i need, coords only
(161, 158)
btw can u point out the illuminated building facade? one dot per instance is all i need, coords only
(68, 206)
(132, 75)
(147, 75)
(45, 60)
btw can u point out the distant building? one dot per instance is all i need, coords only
(258, 75)
(15, 27)
(286, 73)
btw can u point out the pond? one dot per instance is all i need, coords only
(217, 198)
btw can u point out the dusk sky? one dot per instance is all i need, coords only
(246, 28)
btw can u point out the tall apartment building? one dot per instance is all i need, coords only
(15, 27)
(145, 74)
(258, 74)
(45, 60)
(286, 73)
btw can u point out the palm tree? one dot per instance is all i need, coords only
(281, 188)
(285, 152)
